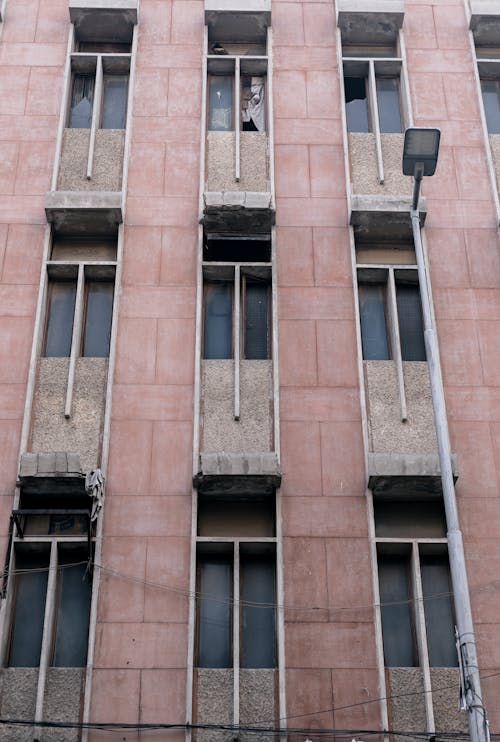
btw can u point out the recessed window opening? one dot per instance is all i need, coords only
(403, 576)
(255, 318)
(235, 248)
(69, 601)
(97, 317)
(216, 575)
(103, 47)
(252, 103)
(356, 100)
(378, 313)
(230, 517)
(220, 103)
(398, 626)
(490, 90)
(389, 105)
(373, 51)
(82, 101)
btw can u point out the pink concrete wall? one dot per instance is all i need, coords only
(464, 255)
(141, 647)
(330, 651)
(32, 53)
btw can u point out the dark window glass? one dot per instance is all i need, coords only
(356, 104)
(256, 321)
(72, 623)
(491, 102)
(29, 610)
(397, 622)
(214, 632)
(411, 329)
(62, 296)
(258, 643)
(373, 322)
(438, 608)
(218, 320)
(389, 110)
(82, 98)
(114, 103)
(98, 319)
(220, 103)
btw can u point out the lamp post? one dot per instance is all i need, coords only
(420, 153)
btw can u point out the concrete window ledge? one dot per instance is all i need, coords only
(103, 20)
(387, 215)
(244, 20)
(81, 212)
(238, 210)
(366, 22)
(485, 21)
(238, 473)
(403, 475)
(51, 472)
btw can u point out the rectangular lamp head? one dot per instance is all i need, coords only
(420, 151)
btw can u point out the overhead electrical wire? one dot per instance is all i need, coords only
(247, 603)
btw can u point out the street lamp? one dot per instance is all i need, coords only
(420, 153)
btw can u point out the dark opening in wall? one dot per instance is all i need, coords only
(237, 248)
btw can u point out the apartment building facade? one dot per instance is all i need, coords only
(223, 510)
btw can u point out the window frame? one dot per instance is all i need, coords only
(413, 549)
(237, 67)
(235, 552)
(51, 546)
(82, 274)
(372, 68)
(102, 65)
(366, 273)
(238, 276)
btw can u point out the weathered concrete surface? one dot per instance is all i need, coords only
(406, 707)
(18, 687)
(447, 717)
(83, 212)
(254, 430)
(82, 431)
(103, 20)
(62, 702)
(228, 20)
(400, 473)
(253, 163)
(107, 165)
(485, 22)
(387, 432)
(258, 702)
(238, 473)
(214, 703)
(362, 21)
(363, 159)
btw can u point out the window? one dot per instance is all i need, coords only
(415, 586)
(102, 67)
(389, 299)
(69, 597)
(237, 71)
(96, 301)
(491, 101)
(372, 77)
(254, 317)
(255, 576)
(400, 609)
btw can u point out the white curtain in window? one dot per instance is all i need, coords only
(254, 110)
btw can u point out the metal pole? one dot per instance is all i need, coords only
(478, 725)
